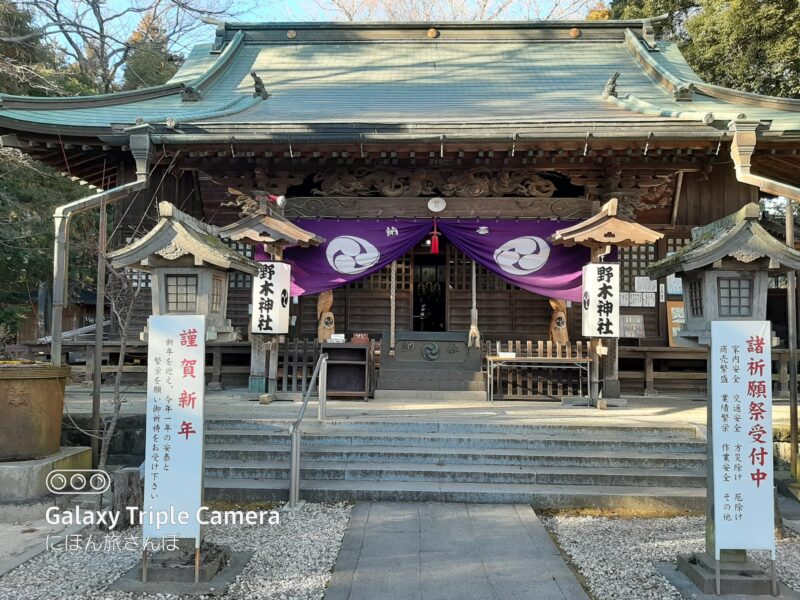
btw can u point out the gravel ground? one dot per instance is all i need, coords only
(292, 561)
(616, 556)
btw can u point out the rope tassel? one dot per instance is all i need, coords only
(434, 239)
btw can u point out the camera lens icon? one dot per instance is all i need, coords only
(77, 481)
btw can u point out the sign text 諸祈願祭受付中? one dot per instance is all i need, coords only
(741, 388)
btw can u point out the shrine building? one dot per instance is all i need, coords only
(429, 167)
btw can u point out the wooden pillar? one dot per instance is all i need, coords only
(216, 369)
(611, 387)
(259, 346)
(272, 369)
(88, 376)
(649, 387)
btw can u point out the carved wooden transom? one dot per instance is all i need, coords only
(473, 183)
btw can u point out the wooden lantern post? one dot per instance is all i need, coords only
(266, 225)
(601, 233)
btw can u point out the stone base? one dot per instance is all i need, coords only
(605, 403)
(257, 384)
(611, 388)
(215, 386)
(743, 578)
(25, 479)
(266, 398)
(173, 573)
(650, 393)
(575, 401)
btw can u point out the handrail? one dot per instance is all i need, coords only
(321, 374)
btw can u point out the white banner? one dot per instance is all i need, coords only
(741, 393)
(601, 300)
(173, 481)
(271, 287)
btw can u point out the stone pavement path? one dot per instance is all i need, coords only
(432, 551)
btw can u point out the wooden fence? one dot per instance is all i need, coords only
(549, 381)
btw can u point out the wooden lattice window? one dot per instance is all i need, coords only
(238, 279)
(676, 243)
(139, 279)
(460, 274)
(216, 294)
(381, 280)
(735, 296)
(634, 262)
(182, 293)
(696, 298)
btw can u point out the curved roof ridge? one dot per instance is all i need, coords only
(110, 99)
(682, 88)
(199, 84)
(634, 103)
(223, 62)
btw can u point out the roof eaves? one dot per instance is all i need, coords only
(679, 89)
(226, 58)
(115, 98)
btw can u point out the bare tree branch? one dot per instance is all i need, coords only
(95, 35)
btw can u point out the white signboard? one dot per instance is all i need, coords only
(173, 481)
(601, 300)
(645, 284)
(741, 393)
(271, 303)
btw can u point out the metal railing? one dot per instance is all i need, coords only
(320, 374)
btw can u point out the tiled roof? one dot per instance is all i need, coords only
(396, 75)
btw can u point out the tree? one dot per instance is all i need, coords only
(598, 12)
(29, 192)
(452, 10)
(677, 12)
(752, 45)
(28, 65)
(93, 34)
(150, 62)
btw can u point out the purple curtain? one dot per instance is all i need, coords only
(353, 249)
(519, 252)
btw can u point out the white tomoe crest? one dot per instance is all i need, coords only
(351, 255)
(522, 255)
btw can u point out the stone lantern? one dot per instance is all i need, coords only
(189, 266)
(725, 271)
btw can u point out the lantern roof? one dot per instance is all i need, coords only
(177, 235)
(740, 236)
(270, 227)
(606, 229)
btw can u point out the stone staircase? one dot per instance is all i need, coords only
(653, 469)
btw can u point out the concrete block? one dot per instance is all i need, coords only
(266, 398)
(735, 577)
(25, 479)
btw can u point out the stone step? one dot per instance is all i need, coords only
(649, 499)
(384, 426)
(456, 441)
(433, 385)
(447, 456)
(353, 471)
(430, 396)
